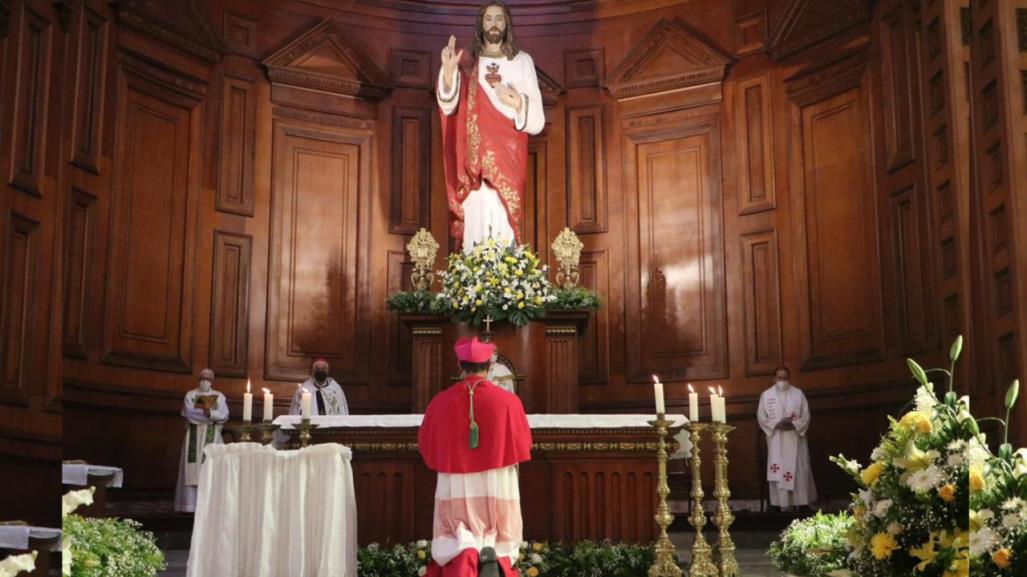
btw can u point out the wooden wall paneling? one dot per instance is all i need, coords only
(762, 300)
(905, 210)
(596, 350)
(236, 138)
(896, 78)
(90, 89)
(586, 170)
(17, 326)
(239, 35)
(591, 498)
(31, 104)
(675, 301)
(230, 304)
(148, 321)
(752, 32)
(316, 303)
(841, 322)
(583, 68)
(399, 341)
(754, 146)
(409, 202)
(80, 244)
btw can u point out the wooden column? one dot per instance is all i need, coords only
(562, 333)
(426, 332)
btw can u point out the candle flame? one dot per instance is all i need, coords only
(656, 379)
(690, 389)
(712, 392)
(247, 385)
(720, 390)
(266, 391)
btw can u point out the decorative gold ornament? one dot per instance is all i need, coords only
(305, 428)
(422, 250)
(664, 565)
(723, 518)
(567, 248)
(702, 554)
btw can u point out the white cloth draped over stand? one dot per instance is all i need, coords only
(77, 474)
(268, 513)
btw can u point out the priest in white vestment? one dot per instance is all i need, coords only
(495, 154)
(784, 416)
(326, 393)
(204, 410)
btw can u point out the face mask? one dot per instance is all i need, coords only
(781, 384)
(321, 376)
(205, 385)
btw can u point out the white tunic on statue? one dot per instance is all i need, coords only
(331, 392)
(788, 464)
(484, 214)
(200, 431)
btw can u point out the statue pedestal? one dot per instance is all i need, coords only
(544, 355)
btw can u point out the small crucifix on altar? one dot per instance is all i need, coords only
(487, 335)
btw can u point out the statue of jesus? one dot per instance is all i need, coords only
(489, 104)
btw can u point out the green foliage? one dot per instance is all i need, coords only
(417, 302)
(577, 298)
(111, 548)
(397, 561)
(812, 547)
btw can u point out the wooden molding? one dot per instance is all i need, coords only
(353, 73)
(670, 57)
(186, 27)
(808, 22)
(550, 88)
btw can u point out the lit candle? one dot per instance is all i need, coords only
(721, 406)
(658, 393)
(304, 403)
(693, 404)
(269, 405)
(713, 405)
(247, 404)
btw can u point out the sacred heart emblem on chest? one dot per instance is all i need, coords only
(492, 75)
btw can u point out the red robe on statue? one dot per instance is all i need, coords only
(480, 144)
(504, 440)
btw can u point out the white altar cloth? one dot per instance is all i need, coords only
(267, 513)
(16, 537)
(77, 474)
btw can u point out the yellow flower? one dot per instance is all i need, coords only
(947, 493)
(538, 300)
(977, 482)
(520, 305)
(477, 302)
(926, 553)
(882, 545)
(917, 421)
(976, 521)
(872, 473)
(420, 554)
(532, 572)
(1001, 558)
(536, 547)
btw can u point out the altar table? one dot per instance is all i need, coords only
(17, 538)
(590, 477)
(267, 513)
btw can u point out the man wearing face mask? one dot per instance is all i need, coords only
(784, 416)
(328, 398)
(204, 410)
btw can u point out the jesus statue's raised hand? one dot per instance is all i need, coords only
(450, 58)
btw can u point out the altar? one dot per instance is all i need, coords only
(590, 477)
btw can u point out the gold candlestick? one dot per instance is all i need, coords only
(724, 518)
(305, 428)
(267, 432)
(702, 555)
(664, 565)
(244, 431)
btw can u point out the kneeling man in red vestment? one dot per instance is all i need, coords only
(474, 434)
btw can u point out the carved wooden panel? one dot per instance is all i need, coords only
(411, 69)
(762, 293)
(237, 139)
(31, 96)
(583, 68)
(594, 356)
(240, 35)
(675, 309)
(597, 503)
(90, 91)
(907, 248)
(318, 271)
(78, 264)
(999, 229)
(399, 341)
(534, 222)
(755, 145)
(751, 32)
(586, 170)
(386, 491)
(896, 75)
(148, 317)
(22, 248)
(841, 320)
(230, 304)
(410, 200)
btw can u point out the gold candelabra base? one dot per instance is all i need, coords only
(305, 427)
(724, 518)
(664, 566)
(702, 553)
(704, 562)
(245, 431)
(267, 432)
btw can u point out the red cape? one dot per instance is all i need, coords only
(479, 143)
(504, 434)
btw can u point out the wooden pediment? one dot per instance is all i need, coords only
(185, 25)
(324, 59)
(807, 22)
(670, 57)
(551, 89)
